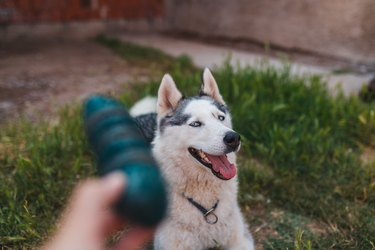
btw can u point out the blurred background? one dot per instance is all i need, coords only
(338, 36)
(342, 29)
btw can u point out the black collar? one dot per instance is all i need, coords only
(208, 214)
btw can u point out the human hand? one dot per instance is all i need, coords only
(89, 220)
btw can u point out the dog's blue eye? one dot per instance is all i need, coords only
(221, 117)
(195, 124)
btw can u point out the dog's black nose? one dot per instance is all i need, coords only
(232, 140)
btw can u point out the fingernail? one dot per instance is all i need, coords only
(115, 179)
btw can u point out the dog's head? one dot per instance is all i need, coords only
(198, 127)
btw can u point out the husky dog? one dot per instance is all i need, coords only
(195, 147)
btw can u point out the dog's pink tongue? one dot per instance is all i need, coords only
(221, 165)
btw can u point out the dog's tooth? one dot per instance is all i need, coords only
(205, 158)
(203, 155)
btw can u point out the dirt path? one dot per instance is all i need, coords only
(37, 77)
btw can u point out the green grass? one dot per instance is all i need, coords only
(150, 58)
(303, 184)
(39, 165)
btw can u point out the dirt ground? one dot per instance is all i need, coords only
(38, 76)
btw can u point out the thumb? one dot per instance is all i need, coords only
(110, 188)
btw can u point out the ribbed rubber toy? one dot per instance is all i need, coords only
(120, 146)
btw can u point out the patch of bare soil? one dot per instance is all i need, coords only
(37, 77)
(368, 155)
(262, 228)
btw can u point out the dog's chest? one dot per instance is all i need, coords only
(191, 219)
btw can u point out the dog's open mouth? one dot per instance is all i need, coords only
(219, 164)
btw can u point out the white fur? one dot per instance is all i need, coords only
(144, 106)
(185, 227)
(170, 93)
(210, 86)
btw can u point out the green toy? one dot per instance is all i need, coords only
(120, 146)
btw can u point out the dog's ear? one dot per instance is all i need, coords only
(209, 87)
(168, 96)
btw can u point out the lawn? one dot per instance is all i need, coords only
(307, 164)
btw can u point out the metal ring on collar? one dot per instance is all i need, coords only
(213, 216)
